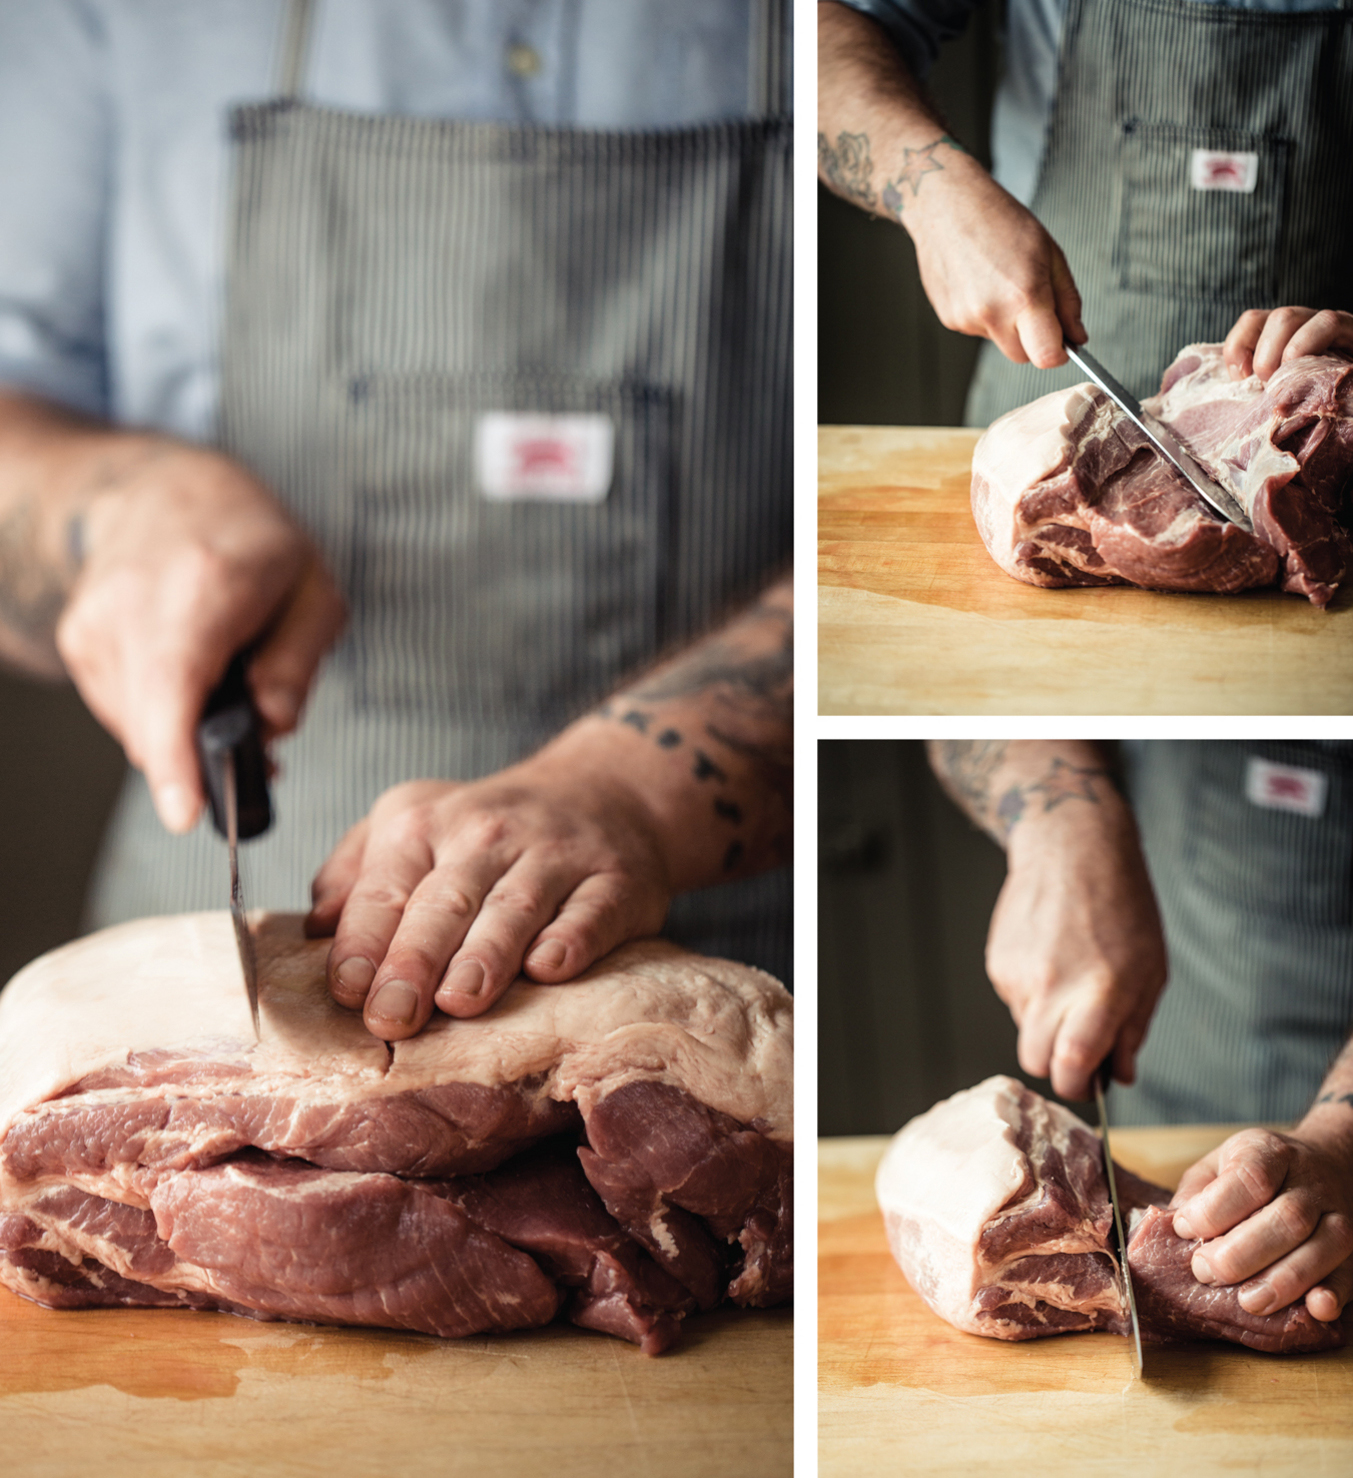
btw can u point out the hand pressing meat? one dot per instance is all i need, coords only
(1275, 1211)
(997, 1211)
(1066, 491)
(447, 892)
(1264, 338)
(1075, 947)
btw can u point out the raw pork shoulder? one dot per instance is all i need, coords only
(1067, 491)
(998, 1213)
(618, 1149)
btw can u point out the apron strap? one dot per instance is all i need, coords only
(770, 80)
(291, 65)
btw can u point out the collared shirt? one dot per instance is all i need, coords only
(1033, 38)
(114, 149)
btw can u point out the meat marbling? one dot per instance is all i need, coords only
(997, 1211)
(618, 1149)
(1067, 491)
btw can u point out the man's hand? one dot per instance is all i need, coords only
(1075, 947)
(1276, 1215)
(1264, 338)
(159, 561)
(447, 891)
(987, 265)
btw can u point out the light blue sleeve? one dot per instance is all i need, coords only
(54, 151)
(918, 28)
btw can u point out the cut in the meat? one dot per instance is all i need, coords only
(618, 1149)
(1067, 491)
(997, 1210)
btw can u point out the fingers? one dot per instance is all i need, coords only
(1262, 339)
(1278, 330)
(1193, 1180)
(334, 882)
(1288, 1278)
(601, 912)
(283, 668)
(1327, 1299)
(1323, 331)
(1251, 1168)
(1238, 347)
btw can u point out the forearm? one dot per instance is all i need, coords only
(53, 464)
(880, 133)
(706, 742)
(1002, 785)
(1330, 1118)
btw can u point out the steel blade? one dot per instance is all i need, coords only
(1118, 1227)
(244, 940)
(1164, 440)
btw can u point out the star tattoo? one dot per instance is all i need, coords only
(1067, 782)
(916, 163)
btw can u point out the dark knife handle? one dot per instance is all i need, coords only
(229, 725)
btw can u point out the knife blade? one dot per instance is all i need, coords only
(235, 773)
(1163, 439)
(1101, 1078)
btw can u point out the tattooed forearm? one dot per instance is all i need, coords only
(998, 783)
(846, 168)
(724, 712)
(916, 164)
(33, 585)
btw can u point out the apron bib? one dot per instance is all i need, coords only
(1196, 165)
(1250, 847)
(403, 293)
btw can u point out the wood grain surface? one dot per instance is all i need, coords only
(149, 1392)
(900, 1391)
(914, 617)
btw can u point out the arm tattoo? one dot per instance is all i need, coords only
(846, 167)
(916, 164)
(32, 589)
(968, 767)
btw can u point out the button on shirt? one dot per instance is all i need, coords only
(1033, 38)
(114, 153)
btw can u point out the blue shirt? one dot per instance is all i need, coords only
(1033, 38)
(114, 156)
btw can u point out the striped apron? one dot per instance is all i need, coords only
(1250, 847)
(395, 285)
(1196, 165)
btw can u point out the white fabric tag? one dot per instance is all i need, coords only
(1213, 169)
(525, 457)
(1285, 787)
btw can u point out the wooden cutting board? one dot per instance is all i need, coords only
(900, 1391)
(914, 616)
(142, 1392)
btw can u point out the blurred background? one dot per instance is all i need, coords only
(906, 885)
(883, 356)
(58, 780)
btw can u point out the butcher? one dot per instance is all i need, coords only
(331, 332)
(1138, 193)
(1236, 855)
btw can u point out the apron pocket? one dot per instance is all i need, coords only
(1267, 860)
(524, 601)
(1200, 213)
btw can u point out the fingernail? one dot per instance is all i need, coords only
(1202, 1269)
(1258, 1298)
(1183, 1227)
(547, 956)
(178, 807)
(467, 979)
(354, 976)
(395, 1001)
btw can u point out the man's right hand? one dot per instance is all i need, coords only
(186, 559)
(987, 265)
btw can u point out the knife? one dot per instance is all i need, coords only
(235, 772)
(1101, 1081)
(1163, 439)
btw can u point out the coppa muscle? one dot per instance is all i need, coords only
(1066, 491)
(997, 1211)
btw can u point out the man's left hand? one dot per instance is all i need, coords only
(1276, 1215)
